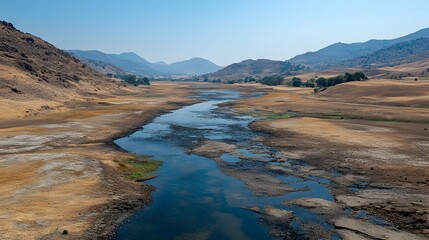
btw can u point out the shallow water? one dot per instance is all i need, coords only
(194, 199)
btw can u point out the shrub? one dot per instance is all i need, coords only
(309, 83)
(272, 80)
(249, 79)
(296, 82)
(335, 80)
(132, 79)
(322, 82)
(143, 81)
(347, 77)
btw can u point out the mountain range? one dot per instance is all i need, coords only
(333, 55)
(396, 54)
(132, 63)
(367, 55)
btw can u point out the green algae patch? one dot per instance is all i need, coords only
(138, 168)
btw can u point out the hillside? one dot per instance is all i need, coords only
(254, 68)
(36, 74)
(331, 55)
(396, 54)
(385, 92)
(103, 67)
(133, 63)
(129, 62)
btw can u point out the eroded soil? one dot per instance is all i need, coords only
(375, 155)
(58, 171)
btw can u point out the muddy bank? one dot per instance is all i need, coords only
(59, 171)
(214, 166)
(388, 180)
(128, 196)
(378, 171)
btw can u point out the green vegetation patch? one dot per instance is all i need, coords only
(283, 116)
(314, 115)
(138, 168)
(339, 116)
(332, 116)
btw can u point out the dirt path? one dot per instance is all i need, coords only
(58, 171)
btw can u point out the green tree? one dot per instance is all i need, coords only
(143, 81)
(296, 82)
(360, 76)
(322, 82)
(272, 80)
(335, 80)
(309, 83)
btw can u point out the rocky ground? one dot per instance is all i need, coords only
(374, 154)
(59, 171)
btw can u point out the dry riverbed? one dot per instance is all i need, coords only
(374, 154)
(60, 173)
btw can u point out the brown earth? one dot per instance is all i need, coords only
(59, 169)
(371, 139)
(35, 76)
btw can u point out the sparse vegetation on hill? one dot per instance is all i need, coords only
(322, 82)
(254, 69)
(33, 69)
(272, 80)
(132, 79)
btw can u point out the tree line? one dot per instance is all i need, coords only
(320, 82)
(131, 79)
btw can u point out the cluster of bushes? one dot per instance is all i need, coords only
(347, 77)
(242, 80)
(320, 82)
(131, 79)
(328, 82)
(245, 80)
(272, 80)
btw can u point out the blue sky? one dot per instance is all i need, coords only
(224, 31)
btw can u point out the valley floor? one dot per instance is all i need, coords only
(374, 149)
(59, 171)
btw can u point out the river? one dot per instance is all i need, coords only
(194, 198)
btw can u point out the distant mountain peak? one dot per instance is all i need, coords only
(135, 64)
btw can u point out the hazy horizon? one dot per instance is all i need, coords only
(221, 31)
